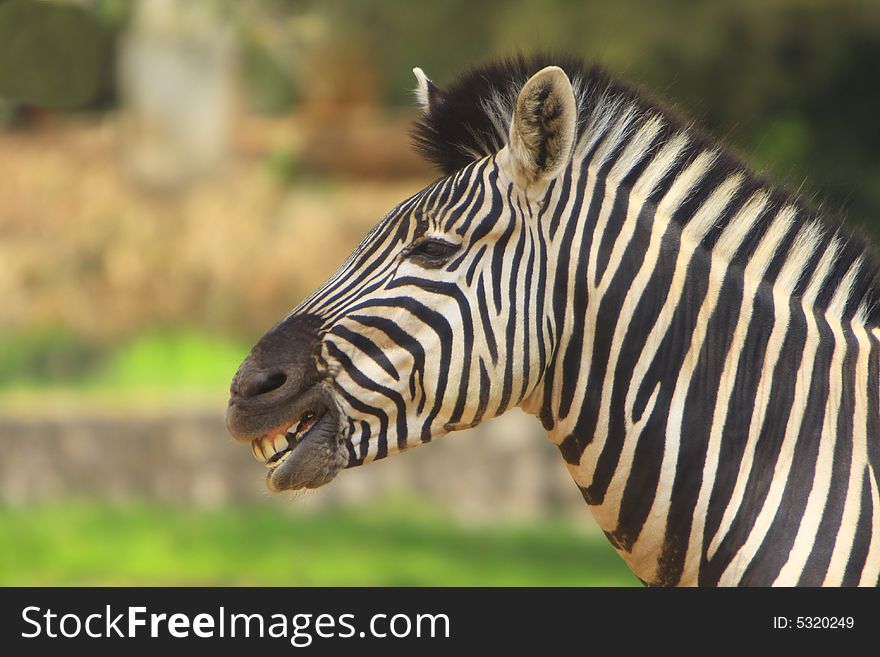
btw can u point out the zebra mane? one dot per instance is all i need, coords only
(470, 119)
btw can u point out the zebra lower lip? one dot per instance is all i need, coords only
(316, 457)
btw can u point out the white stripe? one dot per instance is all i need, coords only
(806, 242)
(618, 132)
(655, 524)
(852, 506)
(653, 174)
(788, 276)
(569, 320)
(871, 571)
(806, 535)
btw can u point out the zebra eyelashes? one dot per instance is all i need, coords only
(431, 252)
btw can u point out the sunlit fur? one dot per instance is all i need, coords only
(701, 346)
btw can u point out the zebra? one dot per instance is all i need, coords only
(702, 346)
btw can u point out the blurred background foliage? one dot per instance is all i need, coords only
(176, 175)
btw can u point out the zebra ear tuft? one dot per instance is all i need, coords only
(542, 130)
(428, 94)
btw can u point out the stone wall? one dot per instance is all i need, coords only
(504, 470)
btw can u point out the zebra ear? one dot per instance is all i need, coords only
(543, 127)
(428, 94)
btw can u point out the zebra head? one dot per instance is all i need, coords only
(439, 318)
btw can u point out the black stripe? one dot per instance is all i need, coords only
(368, 348)
(490, 218)
(772, 433)
(528, 317)
(774, 549)
(472, 201)
(405, 341)
(498, 252)
(734, 436)
(485, 389)
(445, 345)
(571, 358)
(862, 540)
(472, 268)
(513, 322)
(609, 316)
(816, 566)
(365, 382)
(641, 486)
(488, 330)
(559, 205)
(452, 291)
(366, 409)
(616, 219)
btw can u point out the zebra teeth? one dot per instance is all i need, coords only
(296, 432)
(272, 450)
(278, 458)
(279, 443)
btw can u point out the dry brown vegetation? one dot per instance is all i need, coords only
(84, 248)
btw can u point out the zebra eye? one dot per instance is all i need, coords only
(432, 252)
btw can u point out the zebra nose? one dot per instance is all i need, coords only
(280, 366)
(257, 382)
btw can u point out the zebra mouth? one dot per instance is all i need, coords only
(299, 438)
(274, 447)
(306, 453)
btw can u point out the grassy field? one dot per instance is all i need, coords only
(88, 544)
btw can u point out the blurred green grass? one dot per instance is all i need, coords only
(156, 369)
(177, 358)
(100, 544)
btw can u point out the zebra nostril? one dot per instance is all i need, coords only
(260, 383)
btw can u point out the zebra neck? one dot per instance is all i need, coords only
(685, 392)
